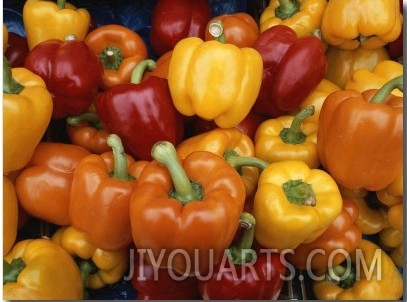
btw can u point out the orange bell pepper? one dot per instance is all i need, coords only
(120, 49)
(161, 67)
(10, 214)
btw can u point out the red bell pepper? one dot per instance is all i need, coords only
(293, 67)
(173, 20)
(71, 71)
(17, 50)
(141, 112)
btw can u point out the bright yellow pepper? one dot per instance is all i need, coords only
(38, 269)
(27, 110)
(45, 20)
(376, 279)
(294, 204)
(10, 214)
(303, 16)
(98, 267)
(367, 23)
(364, 79)
(288, 137)
(214, 80)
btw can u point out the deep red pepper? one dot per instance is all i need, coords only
(140, 113)
(293, 67)
(71, 71)
(17, 50)
(173, 20)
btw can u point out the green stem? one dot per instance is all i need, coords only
(382, 94)
(342, 276)
(294, 135)
(287, 8)
(111, 57)
(91, 117)
(120, 160)
(10, 85)
(237, 161)
(299, 192)
(86, 267)
(138, 71)
(12, 270)
(61, 4)
(216, 29)
(185, 190)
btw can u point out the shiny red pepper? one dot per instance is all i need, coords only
(173, 20)
(293, 67)
(140, 113)
(71, 71)
(17, 50)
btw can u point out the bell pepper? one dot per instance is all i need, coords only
(364, 79)
(220, 140)
(100, 196)
(239, 29)
(294, 204)
(174, 20)
(288, 137)
(5, 38)
(395, 47)
(162, 64)
(350, 24)
(342, 63)
(27, 110)
(16, 50)
(303, 16)
(119, 49)
(197, 202)
(199, 87)
(44, 20)
(350, 126)
(283, 90)
(393, 194)
(38, 269)
(343, 234)
(141, 112)
(87, 131)
(98, 267)
(375, 277)
(390, 237)
(10, 214)
(244, 273)
(71, 71)
(50, 172)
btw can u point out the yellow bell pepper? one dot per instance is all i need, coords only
(38, 269)
(367, 23)
(98, 267)
(27, 110)
(10, 214)
(397, 255)
(364, 79)
(376, 277)
(214, 80)
(303, 16)
(294, 204)
(45, 20)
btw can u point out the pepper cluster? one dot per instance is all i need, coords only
(209, 154)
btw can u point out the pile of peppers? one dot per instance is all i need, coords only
(214, 150)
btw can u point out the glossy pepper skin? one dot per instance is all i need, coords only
(350, 24)
(71, 71)
(50, 171)
(199, 87)
(38, 269)
(44, 20)
(286, 219)
(201, 217)
(10, 214)
(16, 50)
(384, 282)
(282, 52)
(119, 49)
(98, 267)
(303, 16)
(351, 125)
(27, 110)
(141, 113)
(100, 196)
(174, 20)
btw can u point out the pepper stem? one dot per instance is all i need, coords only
(120, 160)
(344, 277)
(216, 29)
(61, 4)
(382, 94)
(12, 270)
(299, 192)
(185, 190)
(10, 85)
(294, 135)
(287, 8)
(111, 57)
(141, 67)
(91, 117)
(237, 161)
(86, 267)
